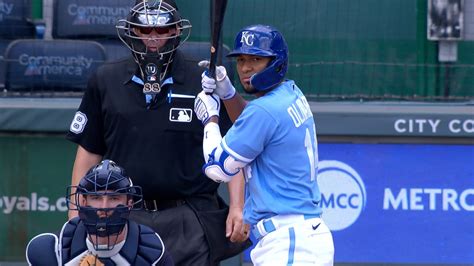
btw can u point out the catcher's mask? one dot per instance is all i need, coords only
(153, 21)
(110, 190)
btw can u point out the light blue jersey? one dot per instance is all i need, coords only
(276, 136)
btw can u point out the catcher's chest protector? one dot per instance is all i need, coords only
(142, 247)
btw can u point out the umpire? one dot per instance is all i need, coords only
(139, 113)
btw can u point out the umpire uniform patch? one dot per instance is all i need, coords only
(78, 123)
(181, 115)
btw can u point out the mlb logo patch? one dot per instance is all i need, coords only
(181, 115)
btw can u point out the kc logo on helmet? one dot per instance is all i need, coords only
(343, 195)
(247, 38)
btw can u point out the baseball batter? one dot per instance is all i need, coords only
(273, 140)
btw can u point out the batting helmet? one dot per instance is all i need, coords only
(104, 179)
(266, 41)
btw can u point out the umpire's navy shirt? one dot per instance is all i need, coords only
(159, 146)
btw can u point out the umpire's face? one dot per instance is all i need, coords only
(155, 38)
(247, 66)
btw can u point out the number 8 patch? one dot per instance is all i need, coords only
(78, 123)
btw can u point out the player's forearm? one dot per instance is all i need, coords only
(236, 191)
(235, 106)
(212, 137)
(84, 161)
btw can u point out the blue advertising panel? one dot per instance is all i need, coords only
(399, 203)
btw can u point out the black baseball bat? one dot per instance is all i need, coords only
(217, 19)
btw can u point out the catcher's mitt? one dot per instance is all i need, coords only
(91, 260)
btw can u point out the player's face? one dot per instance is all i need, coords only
(155, 38)
(106, 201)
(248, 65)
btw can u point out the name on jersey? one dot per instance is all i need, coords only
(300, 111)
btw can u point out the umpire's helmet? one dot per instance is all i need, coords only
(104, 179)
(159, 14)
(266, 41)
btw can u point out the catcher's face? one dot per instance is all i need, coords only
(247, 66)
(106, 201)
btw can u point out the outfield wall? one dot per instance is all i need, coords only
(397, 178)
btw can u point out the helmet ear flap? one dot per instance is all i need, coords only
(272, 75)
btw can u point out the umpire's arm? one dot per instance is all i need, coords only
(84, 161)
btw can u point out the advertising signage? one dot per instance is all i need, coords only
(399, 203)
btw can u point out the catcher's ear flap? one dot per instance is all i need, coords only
(43, 250)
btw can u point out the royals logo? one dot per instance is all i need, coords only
(247, 38)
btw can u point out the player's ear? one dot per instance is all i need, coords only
(82, 200)
(135, 31)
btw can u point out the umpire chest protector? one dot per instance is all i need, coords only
(142, 246)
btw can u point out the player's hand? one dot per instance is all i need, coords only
(222, 87)
(235, 229)
(206, 106)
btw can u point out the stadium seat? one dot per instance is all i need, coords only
(51, 65)
(15, 23)
(91, 20)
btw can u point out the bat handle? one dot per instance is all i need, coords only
(212, 72)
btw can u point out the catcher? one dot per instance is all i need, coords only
(102, 234)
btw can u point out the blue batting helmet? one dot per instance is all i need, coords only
(104, 179)
(266, 41)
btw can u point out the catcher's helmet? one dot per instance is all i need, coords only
(104, 179)
(266, 41)
(153, 14)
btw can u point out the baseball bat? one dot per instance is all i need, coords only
(217, 19)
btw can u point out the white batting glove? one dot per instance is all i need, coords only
(206, 106)
(223, 87)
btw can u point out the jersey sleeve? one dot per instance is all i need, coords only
(86, 128)
(247, 138)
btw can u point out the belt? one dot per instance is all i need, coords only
(266, 226)
(159, 205)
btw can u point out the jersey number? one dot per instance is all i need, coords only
(78, 123)
(312, 153)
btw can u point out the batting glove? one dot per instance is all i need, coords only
(223, 87)
(206, 106)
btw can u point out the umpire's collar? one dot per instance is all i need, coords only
(177, 69)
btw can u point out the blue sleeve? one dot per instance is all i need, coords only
(42, 250)
(247, 138)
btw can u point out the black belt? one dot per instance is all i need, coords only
(159, 205)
